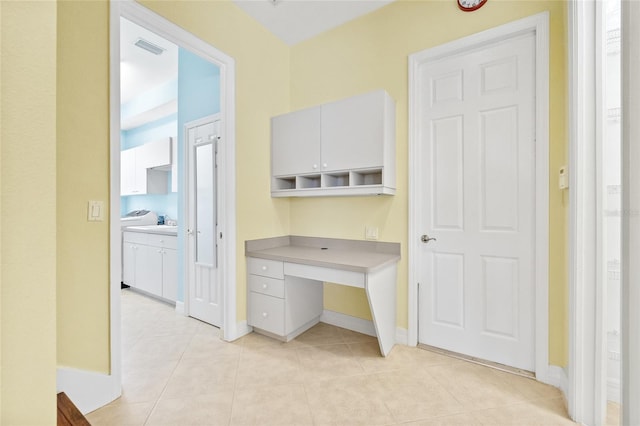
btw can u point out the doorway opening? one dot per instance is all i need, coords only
(171, 126)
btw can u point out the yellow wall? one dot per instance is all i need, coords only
(371, 53)
(83, 175)
(27, 213)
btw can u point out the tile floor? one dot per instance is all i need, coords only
(176, 371)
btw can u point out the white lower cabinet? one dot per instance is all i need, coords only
(278, 305)
(149, 263)
(170, 274)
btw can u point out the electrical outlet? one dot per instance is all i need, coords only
(370, 233)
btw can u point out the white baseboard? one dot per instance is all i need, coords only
(359, 325)
(557, 377)
(180, 308)
(613, 390)
(347, 321)
(88, 390)
(241, 329)
(402, 336)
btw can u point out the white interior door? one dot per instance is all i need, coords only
(205, 292)
(477, 277)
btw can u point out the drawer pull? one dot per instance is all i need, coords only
(264, 286)
(264, 268)
(264, 315)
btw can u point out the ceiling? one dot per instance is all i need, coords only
(294, 21)
(141, 70)
(291, 20)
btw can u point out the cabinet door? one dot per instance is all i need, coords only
(295, 143)
(155, 154)
(170, 274)
(174, 165)
(129, 263)
(128, 172)
(353, 132)
(149, 269)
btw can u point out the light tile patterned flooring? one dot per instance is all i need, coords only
(176, 371)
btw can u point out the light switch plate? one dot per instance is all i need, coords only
(370, 233)
(563, 178)
(95, 211)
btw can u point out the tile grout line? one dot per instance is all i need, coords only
(164, 388)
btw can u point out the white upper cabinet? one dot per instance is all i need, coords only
(143, 168)
(156, 154)
(295, 142)
(353, 132)
(345, 147)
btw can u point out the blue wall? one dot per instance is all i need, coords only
(198, 96)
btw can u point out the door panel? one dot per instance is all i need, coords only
(448, 207)
(499, 169)
(477, 281)
(448, 300)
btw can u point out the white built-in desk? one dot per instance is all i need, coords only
(285, 276)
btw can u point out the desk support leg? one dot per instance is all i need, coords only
(381, 293)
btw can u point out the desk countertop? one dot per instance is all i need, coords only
(349, 255)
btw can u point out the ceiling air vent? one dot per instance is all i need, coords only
(149, 47)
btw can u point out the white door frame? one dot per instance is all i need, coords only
(630, 318)
(587, 296)
(154, 22)
(540, 25)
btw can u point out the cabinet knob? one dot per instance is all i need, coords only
(264, 315)
(264, 286)
(264, 268)
(315, 166)
(325, 165)
(159, 251)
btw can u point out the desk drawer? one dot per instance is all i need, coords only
(265, 268)
(266, 313)
(268, 286)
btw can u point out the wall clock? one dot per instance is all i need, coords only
(470, 5)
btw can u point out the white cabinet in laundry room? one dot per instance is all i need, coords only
(150, 263)
(143, 169)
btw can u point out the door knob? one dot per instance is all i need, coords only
(425, 238)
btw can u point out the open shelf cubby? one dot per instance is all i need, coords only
(333, 180)
(311, 181)
(285, 183)
(366, 177)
